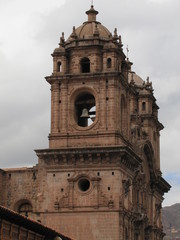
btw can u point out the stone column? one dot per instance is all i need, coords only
(111, 105)
(102, 104)
(64, 107)
(55, 107)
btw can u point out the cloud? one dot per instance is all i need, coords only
(158, 1)
(21, 20)
(172, 197)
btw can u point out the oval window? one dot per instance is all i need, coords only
(84, 184)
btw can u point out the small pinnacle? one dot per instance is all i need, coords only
(115, 37)
(115, 32)
(120, 41)
(73, 35)
(62, 40)
(127, 52)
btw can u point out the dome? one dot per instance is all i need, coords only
(91, 28)
(88, 29)
(59, 50)
(137, 80)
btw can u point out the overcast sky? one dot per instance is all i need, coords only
(29, 32)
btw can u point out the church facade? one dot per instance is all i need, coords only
(100, 177)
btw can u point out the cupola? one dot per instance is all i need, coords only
(92, 14)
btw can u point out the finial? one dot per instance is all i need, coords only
(115, 32)
(147, 79)
(115, 36)
(149, 84)
(73, 34)
(91, 2)
(127, 51)
(120, 42)
(62, 40)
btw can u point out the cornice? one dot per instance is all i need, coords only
(94, 156)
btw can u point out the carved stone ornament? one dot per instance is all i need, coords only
(90, 195)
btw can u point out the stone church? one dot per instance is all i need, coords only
(100, 178)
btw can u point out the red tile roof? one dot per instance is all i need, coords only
(29, 224)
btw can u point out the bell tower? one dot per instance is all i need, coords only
(89, 86)
(100, 176)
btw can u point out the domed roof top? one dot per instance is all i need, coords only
(137, 80)
(59, 50)
(91, 28)
(88, 29)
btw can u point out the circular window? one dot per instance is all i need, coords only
(84, 184)
(85, 109)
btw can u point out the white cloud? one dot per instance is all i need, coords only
(20, 21)
(159, 1)
(172, 197)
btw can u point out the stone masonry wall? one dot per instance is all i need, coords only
(1, 185)
(58, 203)
(19, 186)
(86, 225)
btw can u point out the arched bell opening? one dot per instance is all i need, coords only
(109, 63)
(59, 67)
(85, 65)
(85, 109)
(143, 106)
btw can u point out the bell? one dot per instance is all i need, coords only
(85, 113)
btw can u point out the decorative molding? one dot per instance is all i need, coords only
(118, 156)
(72, 193)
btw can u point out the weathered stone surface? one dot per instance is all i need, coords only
(100, 178)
